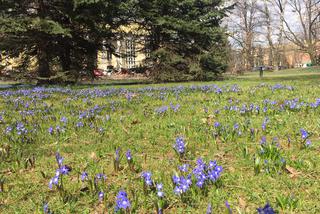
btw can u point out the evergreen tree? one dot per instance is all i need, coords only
(185, 31)
(67, 32)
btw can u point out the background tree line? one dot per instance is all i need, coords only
(186, 38)
(258, 26)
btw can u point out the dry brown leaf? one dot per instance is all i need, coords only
(293, 172)
(242, 203)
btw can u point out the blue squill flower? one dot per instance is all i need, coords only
(64, 170)
(59, 159)
(128, 155)
(209, 209)
(304, 134)
(228, 207)
(101, 195)
(180, 145)
(100, 176)
(122, 201)
(50, 130)
(84, 176)
(147, 178)
(160, 192)
(308, 143)
(184, 168)
(267, 209)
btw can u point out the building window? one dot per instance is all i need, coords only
(106, 54)
(130, 53)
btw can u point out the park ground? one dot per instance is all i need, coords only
(147, 119)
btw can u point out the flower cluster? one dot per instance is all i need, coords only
(147, 178)
(180, 145)
(160, 192)
(267, 209)
(304, 134)
(122, 201)
(62, 170)
(182, 184)
(206, 172)
(202, 172)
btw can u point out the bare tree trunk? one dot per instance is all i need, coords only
(42, 54)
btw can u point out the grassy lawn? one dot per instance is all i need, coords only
(264, 133)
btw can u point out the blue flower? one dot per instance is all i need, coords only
(84, 176)
(54, 181)
(64, 120)
(46, 209)
(65, 170)
(50, 130)
(147, 178)
(160, 193)
(117, 154)
(308, 143)
(100, 176)
(263, 140)
(180, 145)
(184, 168)
(128, 155)
(304, 134)
(122, 201)
(59, 159)
(228, 207)
(267, 209)
(101, 195)
(209, 209)
(182, 184)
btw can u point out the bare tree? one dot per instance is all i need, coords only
(305, 32)
(268, 22)
(243, 25)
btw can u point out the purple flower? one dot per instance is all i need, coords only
(46, 209)
(147, 178)
(59, 159)
(267, 209)
(228, 207)
(101, 195)
(84, 176)
(50, 130)
(212, 164)
(162, 109)
(180, 145)
(65, 170)
(54, 181)
(160, 193)
(117, 154)
(209, 209)
(184, 168)
(122, 201)
(79, 124)
(64, 120)
(128, 155)
(182, 184)
(308, 143)
(100, 176)
(304, 134)
(263, 140)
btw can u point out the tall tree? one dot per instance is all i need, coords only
(186, 30)
(305, 32)
(69, 32)
(244, 25)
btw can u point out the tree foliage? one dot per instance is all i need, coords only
(67, 34)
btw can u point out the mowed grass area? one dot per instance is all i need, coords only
(265, 134)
